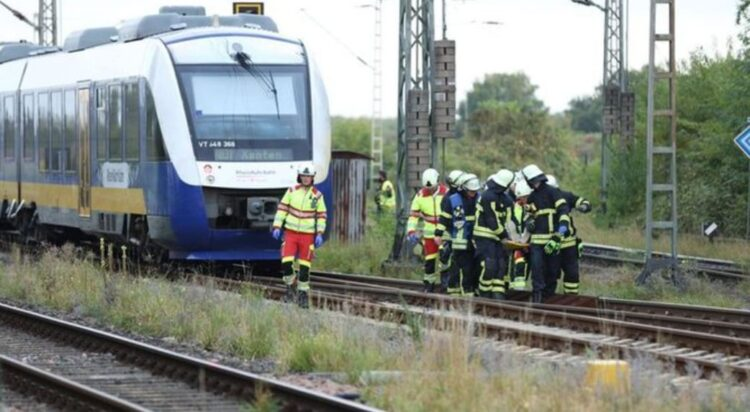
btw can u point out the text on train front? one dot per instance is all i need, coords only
(248, 112)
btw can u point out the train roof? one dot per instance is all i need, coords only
(171, 20)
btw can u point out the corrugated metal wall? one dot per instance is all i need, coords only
(349, 196)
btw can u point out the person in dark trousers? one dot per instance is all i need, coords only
(446, 264)
(549, 226)
(458, 220)
(492, 209)
(572, 246)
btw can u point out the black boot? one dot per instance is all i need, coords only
(498, 295)
(303, 301)
(429, 287)
(290, 295)
(536, 297)
(486, 295)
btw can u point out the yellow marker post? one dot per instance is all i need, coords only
(613, 375)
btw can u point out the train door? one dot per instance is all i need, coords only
(84, 152)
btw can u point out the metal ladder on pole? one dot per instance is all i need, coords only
(665, 148)
(376, 129)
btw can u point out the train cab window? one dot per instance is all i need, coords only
(9, 127)
(71, 140)
(154, 141)
(115, 123)
(132, 122)
(56, 146)
(28, 127)
(101, 123)
(43, 131)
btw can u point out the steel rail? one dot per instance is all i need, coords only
(58, 391)
(722, 356)
(200, 373)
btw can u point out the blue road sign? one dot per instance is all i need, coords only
(743, 141)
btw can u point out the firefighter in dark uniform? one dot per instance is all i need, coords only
(458, 220)
(549, 226)
(572, 246)
(489, 230)
(446, 264)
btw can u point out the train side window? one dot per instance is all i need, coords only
(115, 122)
(132, 122)
(28, 127)
(71, 139)
(9, 127)
(101, 123)
(56, 146)
(43, 131)
(154, 140)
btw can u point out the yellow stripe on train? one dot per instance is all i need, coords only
(103, 199)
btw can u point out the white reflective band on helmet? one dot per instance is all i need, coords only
(522, 189)
(532, 171)
(504, 177)
(552, 181)
(430, 178)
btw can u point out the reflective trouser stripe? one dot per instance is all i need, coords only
(570, 288)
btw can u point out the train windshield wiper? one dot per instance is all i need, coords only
(244, 60)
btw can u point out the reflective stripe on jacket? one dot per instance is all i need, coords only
(302, 209)
(458, 219)
(549, 210)
(426, 207)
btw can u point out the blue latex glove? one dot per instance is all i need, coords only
(276, 233)
(413, 238)
(318, 240)
(562, 230)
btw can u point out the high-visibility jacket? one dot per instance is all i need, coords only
(302, 209)
(515, 223)
(492, 208)
(426, 207)
(387, 195)
(550, 210)
(458, 219)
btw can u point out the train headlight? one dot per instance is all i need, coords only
(255, 207)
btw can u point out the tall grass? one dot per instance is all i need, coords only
(448, 371)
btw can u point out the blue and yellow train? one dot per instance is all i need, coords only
(174, 134)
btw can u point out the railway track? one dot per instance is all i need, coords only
(82, 368)
(544, 327)
(717, 269)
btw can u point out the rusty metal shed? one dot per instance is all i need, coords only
(350, 171)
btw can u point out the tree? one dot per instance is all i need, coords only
(585, 114)
(515, 88)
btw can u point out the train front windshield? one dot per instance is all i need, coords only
(240, 115)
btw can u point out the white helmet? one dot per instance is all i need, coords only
(305, 171)
(533, 172)
(503, 178)
(552, 181)
(453, 177)
(430, 178)
(522, 189)
(470, 183)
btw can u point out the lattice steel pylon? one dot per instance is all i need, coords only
(376, 127)
(665, 149)
(615, 87)
(47, 23)
(414, 145)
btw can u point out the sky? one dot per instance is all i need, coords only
(557, 43)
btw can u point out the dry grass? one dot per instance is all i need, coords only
(619, 282)
(633, 237)
(442, 372)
